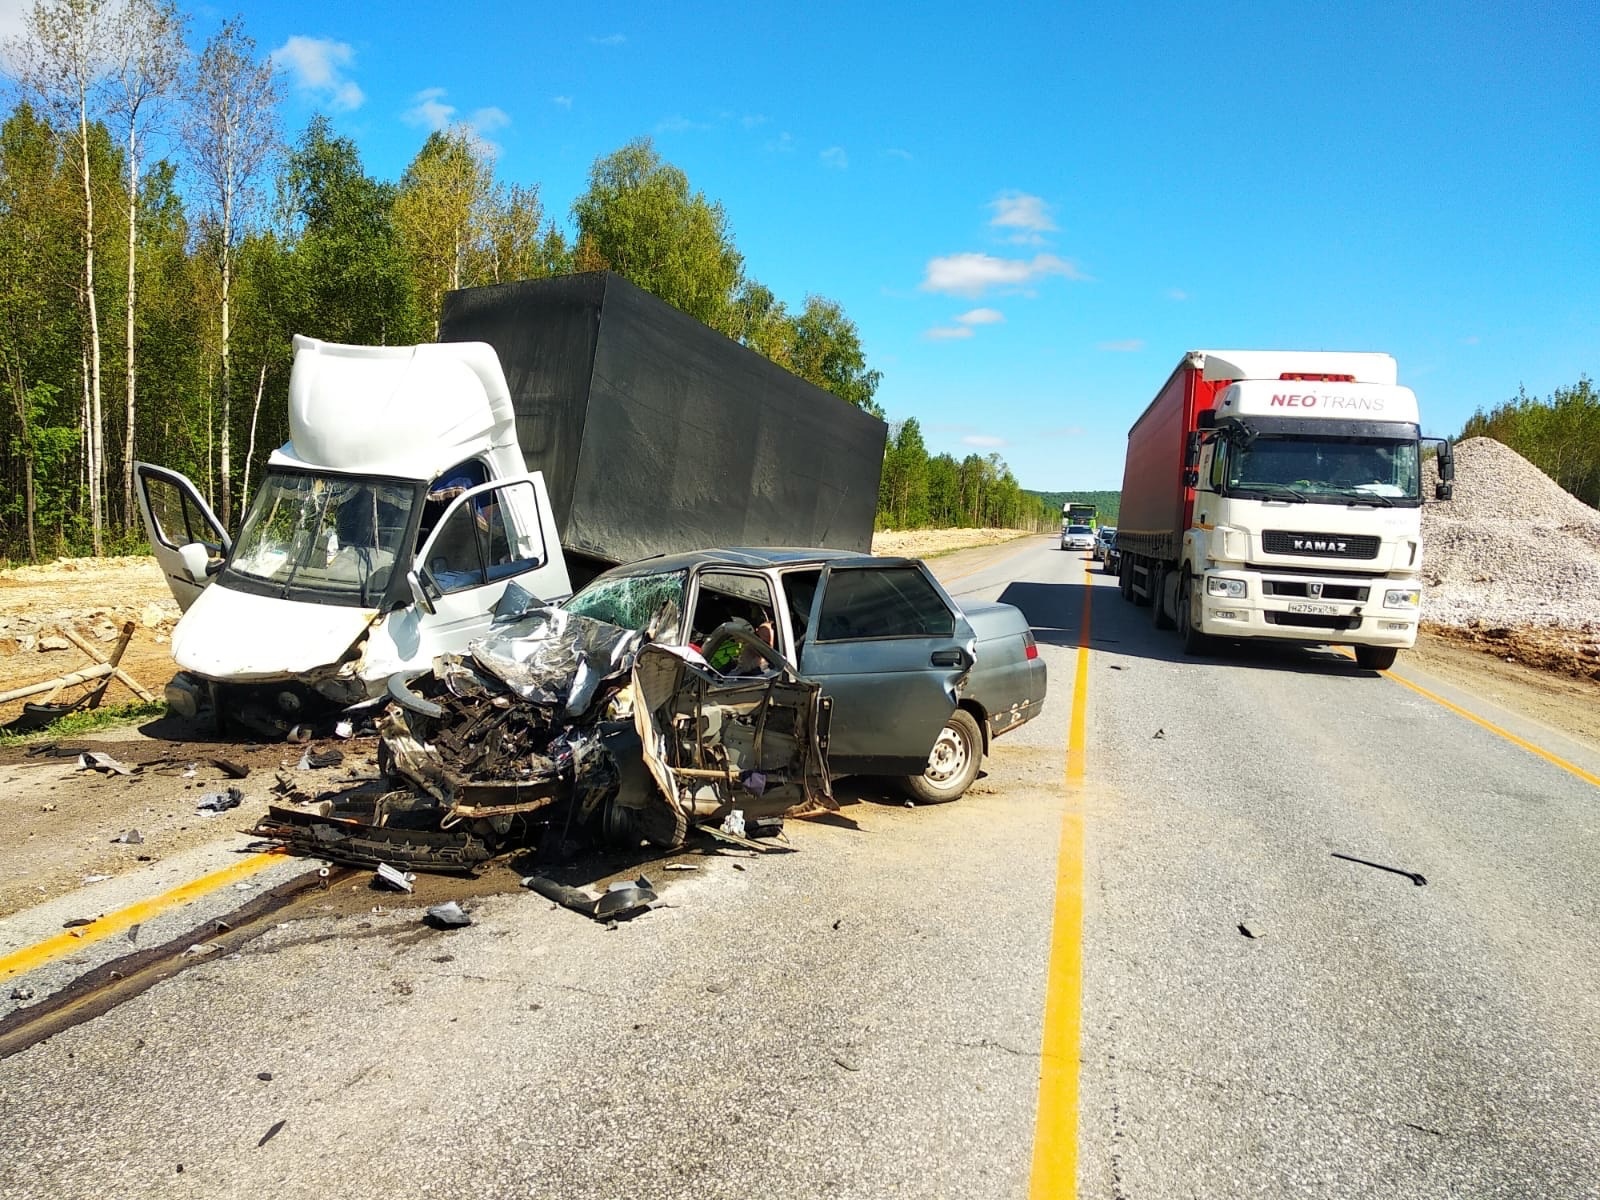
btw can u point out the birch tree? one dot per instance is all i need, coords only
(59, 59)
(231, 133)
(147, 57)
(439, 212)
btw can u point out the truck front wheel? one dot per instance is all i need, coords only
(952, 763)
(1376, 658)
(1194, 641)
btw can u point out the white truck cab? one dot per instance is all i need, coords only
(384, 534)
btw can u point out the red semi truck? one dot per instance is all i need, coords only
(1277, 494)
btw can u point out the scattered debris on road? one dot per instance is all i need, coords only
(277, 1128)
(91, 760)
(230, 768)
(620, 902)
(449, 915)
(399, 880)
(216, 802)
(128, 837)
(1247, 931)
(1415, 878)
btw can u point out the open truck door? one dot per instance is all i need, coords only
(487, 536)
(185, 535)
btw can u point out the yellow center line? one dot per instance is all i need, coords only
(65, 943)
(1495, 729)
(1055, 1135)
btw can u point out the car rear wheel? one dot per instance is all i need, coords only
(952, 763)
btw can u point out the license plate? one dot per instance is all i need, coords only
(1325, 610)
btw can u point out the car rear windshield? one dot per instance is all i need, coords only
(1079, 529)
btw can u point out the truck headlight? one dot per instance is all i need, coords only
(1232, 588)
(1402, 598)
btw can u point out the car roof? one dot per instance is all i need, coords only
(737, 556)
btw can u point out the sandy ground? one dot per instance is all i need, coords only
(58, 821)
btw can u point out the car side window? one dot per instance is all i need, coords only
(178, 521)
(881, 602)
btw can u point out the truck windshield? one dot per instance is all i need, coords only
(634, 601)
(1325, 470)
(332, 539)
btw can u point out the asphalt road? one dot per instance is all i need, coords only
(864, 1018)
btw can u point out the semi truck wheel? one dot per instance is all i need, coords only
(952, 764)
(1376, 658)
(1158, 610)
(1194, 642)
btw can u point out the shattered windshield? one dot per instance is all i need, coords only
(1361, 470)
(635, 601)
(331, 538)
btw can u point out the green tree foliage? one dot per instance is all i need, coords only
(640, 219)
(1107, 505)
(353, 282)
(917, 491)
(174, 341)
(1560, 436)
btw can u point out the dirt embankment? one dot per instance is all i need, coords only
(93, 597)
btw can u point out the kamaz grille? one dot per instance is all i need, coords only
(1320, 545)
(1313, 621)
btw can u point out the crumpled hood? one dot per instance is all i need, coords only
(237, 637)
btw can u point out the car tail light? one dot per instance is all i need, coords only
(1030, 649)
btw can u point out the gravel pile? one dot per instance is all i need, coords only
(1511, 549)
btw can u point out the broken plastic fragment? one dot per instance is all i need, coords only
(89, 760)
(734, 823)
(448, 914)
(344, 729)
(128, 837)
(399, 880)
(215, 802)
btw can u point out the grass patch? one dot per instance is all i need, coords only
(88, 720)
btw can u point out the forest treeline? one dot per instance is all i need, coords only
(923, 491)
(1560, 435)
(163, 242)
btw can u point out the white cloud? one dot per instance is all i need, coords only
(677, 123)
(1018, 210)
(610, 39)
(1177, 294)
(487, 120)
(982, 316)
(1125, 346)
(983, 440)
(317, 66)
(942, 333)
(896, 152)
(835, 157)
(972, 274)
(430, 111)
(782, 144)
(561, 101)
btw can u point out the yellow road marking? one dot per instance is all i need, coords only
(1495, 729)
(66, 942)
(1055, 1135)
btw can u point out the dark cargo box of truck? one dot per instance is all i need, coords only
(657, 434)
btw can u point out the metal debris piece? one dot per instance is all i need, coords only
(448, 915)
(77, 922)
(216, 802)
(128, 837)
(231, 768)
(399, 880)
(22, 992)
(619, 902)
(1160, 733)
(200, 949)
(91, 760)
(1415, 878)
(264, 1076)
(266, 1137)
(1247, 931)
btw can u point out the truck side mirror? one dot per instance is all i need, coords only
(196, 562)
(1446, 488)
(1191, 477)
(419, 592)
(1206, 418)
(1191, 450)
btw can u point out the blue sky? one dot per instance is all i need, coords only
(1032, 212)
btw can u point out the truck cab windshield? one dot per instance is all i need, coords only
(1323, 470)
(331, 539)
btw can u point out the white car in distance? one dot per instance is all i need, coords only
(1077, 537)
